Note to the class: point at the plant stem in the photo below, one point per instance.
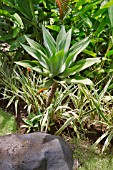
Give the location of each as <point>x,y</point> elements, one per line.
<point>51,94</point>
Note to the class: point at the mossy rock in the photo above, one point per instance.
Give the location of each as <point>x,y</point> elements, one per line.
<point>7,123</point>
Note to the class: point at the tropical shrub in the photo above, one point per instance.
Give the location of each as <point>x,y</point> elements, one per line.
<point>57,60</point>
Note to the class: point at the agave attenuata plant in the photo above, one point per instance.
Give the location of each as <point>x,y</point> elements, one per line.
<point>57,60</point>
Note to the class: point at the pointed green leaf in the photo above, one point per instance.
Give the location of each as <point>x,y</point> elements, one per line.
<point>16,107</point>
<point>85,63</point>
<point>101,95</point>
<point>38,55</point>
<point>18,20</point>
<point>27,63</point>
<point>110,13</point>
<point>68,121</point>
<point>78,80</point>
<point>57,61</point>
<point>41,71</point>
<point>76,49</point>
<point>99,12</point>
<point>103,23</point>
<point>91,53</point>
<point>64,41</point>
<point>100,139</point>
<point>67,41</point>
<point>103,8</point>
<point>60,36</point>
<point>80,65</point>
<point>107,142</point>
<point>11,101</point>
<point>28,122</point>
<point>109,53</point>
<point>34,44</point>
<point>53,27</point>
<point>34,65</point>
<point>85,9</point>
<point>49,41</point>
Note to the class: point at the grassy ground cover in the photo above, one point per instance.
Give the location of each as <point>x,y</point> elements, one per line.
<point>7,123</point>
<point>90,159</point>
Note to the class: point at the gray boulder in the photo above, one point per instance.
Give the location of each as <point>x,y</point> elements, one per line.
<point>34,151</point>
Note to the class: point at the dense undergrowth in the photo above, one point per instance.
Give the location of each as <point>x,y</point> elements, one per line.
<point>66,49</point>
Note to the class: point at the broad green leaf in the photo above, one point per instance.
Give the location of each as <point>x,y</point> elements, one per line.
<point>16,31</point>
<point>18,20</point>
<point>34,65</point>
<point>65,40</point>
<point>78,45</point>
<point>49,41</point>
<point>41,71</point>
<point>85,63</point>
<point>4,37</point>
<point>76,49</point>
<point>99,12</point>
<point>109,53</point>
<point>80,3</point>
<point>110,13</point>
<point>57,61</point>
<point>61,57</point>
<point>80,65</point>
<point>25,8</point>
<point>34,44</point>
<point>89,53</point>
<point>101,27</point>
<point>103,8</point>
<point>4,12</point>
<point>78,80</point>
<point>60,37</point>
<point>53,27</point>
<point>85,9</point>
<point>38,55</point>
<point>27,63</point>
